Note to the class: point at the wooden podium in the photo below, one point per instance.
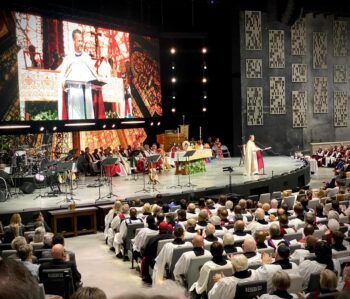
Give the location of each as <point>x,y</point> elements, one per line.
<point>168,139</point>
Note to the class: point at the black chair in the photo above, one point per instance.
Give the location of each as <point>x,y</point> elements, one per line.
<point>58,282</point>
<point>249,290</point>
<point>314,283</point>
<point>38,252</point>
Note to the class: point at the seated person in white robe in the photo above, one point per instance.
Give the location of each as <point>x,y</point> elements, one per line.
<point>323,252</point>
<point>218,262</point>
<point>120,236</point>
<point>151,229</point>
<point>190,229</point>
<point>115,224</point>
<point>249,250</point>
<point>191,211</point>
<point>300,254</point>
<point>166,254</point>
<point>238,231</point>
<point>111,214</point>
<point>281,262</point>
<point>183,263</point>
<point>209,235</point>
<point>225,287</point>
<point>229,244</point>
<point>259,222</point>
<point>275,236</point>
<point>280,282</point>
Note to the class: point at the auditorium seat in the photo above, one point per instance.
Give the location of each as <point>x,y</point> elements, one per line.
<point>296,284</point>
<point>177,252</point>
<point>58,282</point>
<point>294,247</point>
<point>227,270</point>
<point>7,253</point>
<point>161,244</point>
<point>314,283</point>
<point>289,200</point>
<point>250,290</point>
<point>194,268</point>
<point>265,198</point>
<point>268,250</point>
<point>293,236</point>
<point>276,194</point>
<point>340,254</point>
<point>313,203</point>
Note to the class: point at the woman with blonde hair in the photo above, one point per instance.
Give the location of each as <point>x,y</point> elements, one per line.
<point>116,209</point>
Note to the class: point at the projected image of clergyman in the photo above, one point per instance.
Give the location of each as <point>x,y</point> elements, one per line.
<point>69,70</point>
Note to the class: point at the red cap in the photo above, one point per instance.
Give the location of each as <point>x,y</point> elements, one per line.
<point>163,226</point>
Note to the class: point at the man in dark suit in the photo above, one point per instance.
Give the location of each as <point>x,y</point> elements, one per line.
<point>59,262</point>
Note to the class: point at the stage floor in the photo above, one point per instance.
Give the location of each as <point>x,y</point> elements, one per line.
<point>127,187</point>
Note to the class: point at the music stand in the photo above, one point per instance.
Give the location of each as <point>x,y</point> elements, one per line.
<point>151,160</point>
<point>144,189</point>
<point>178,175</point>
<point>187,155</point>
<point>109,162</point>
<point>65,167</point>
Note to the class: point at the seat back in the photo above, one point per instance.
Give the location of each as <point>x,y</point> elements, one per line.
<point>5,246</point>
<point>289,200</point>
<point>177,252</point>
<point>333,295</point>
<point>343,219</point>
<point>296,284</point>
<point>253,197</point>
<point>58,282</point>
<point>313,203</point>
<point>318,233</point>
<point>38,252</point>
<point>340,263</point>
<point>227,270</point>
<point>265,198</point>
<point>225,151</point>
<point>29,235</point>
<point>7,253</point>
<point>161,244</point>
<point>314,283</point>
<point>250,290</point>
<point>339,254</point>
<point>268,250</point>
<point>194,268</point>
<point>343,229</point>
<point>293,236</point>
<point>276,194</point>
<point>130,233</point>
<point>238,243</point>
<point>294,247</point>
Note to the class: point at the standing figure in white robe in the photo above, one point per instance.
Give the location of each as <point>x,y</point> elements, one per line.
<point>77,70</point>
<point>251,162</point>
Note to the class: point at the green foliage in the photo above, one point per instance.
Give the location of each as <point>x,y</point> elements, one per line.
<point>45,115</point>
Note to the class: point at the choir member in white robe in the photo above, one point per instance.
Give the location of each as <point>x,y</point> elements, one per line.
<point>77,70</point>
<point>110,215</point>
<point>225,287</point>
<point>181,267</point>
<point>281,262</point>
<point>251,162</point>
<point>151,229</point>
<point>323,252</point>
<point>120,236</point>
<point>217,263</point>
<point>249,250</point>
<point>115,224</point>
<point>166,254</point>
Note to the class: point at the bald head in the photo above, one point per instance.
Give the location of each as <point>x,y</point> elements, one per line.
<point>198,241</point>
<point>191,208</point>
<point>57,252</point>
<point>249,245</point>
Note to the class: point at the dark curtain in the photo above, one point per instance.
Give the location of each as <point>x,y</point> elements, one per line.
<point>53,48</point>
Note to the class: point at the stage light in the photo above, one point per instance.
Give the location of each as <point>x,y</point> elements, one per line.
<point>158,123</point>
<point>173,67</point>
<point>173,80</point>
<point>204,67</point>
<point>79,124</point>
<point>204,80</point>
<point>127,122</point>
<point>104,126</point>
<point>204,50</point>
<point>174,97</point>
<point>54,128</point>
<point>15,127</point>
<point>204,109</point>
<point>151,124</point>
<point>113,126</point>
<point>173,110</point>
<point>204,97</point>
<point>42,129</point>
<point>172,50</point>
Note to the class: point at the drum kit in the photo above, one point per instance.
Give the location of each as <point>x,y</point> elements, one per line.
<point>28,161</point>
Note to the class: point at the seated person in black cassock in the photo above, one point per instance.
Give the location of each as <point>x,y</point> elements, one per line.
<point>59,262</point>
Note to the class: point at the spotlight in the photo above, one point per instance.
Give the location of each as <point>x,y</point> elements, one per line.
<point>204,67</point>
<point>204,97</point>
<point>42,129</point>
<point>204,80</point>
<point>54,128</point>
<point>173,110</point>
<point>204,109</point>
<point>113,126</point>
<point>173,80</point>
<point>151,124</point>
<point>204,50</point>
<point>173,67</point>
<point>172,50</point>
<point>158,123</point>
<point>104,126</point>
<point>174,97</point>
